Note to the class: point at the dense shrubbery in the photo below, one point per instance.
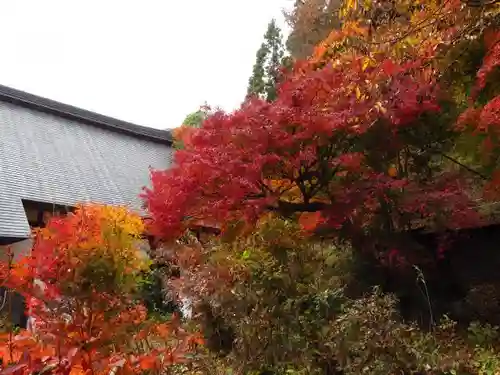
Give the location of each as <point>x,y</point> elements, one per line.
<point>287,307</point>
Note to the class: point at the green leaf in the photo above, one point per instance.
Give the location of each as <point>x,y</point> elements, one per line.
<point>330,261</point>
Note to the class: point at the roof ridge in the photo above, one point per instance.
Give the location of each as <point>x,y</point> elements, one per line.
<point>40,103</point>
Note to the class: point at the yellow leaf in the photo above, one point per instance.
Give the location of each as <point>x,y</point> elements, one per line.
<point>380,107</point>
<point>366,63</point>
<point>355,28</point>
<point>358,93</point>
<point>412,41</point>
<point>351,4</point>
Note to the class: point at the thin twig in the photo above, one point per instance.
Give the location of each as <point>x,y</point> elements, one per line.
<point>464,166</point>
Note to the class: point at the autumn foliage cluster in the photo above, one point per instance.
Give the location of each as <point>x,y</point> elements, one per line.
<point>291,221</point>
<point>388,128</point>
<point>80,282</point>
<point>365,130</point>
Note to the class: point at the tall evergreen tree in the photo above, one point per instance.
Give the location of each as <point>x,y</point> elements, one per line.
<point>267,67</point>
<point>256,84</point>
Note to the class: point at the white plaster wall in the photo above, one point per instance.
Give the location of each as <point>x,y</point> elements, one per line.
<point>19,249</point>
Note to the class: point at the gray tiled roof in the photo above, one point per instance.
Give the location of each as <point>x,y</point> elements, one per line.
<point>50,157</point>
<point>25,99</point>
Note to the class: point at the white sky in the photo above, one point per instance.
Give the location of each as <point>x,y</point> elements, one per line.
<point>151,62</point>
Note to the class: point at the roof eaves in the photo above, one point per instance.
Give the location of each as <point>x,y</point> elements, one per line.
<point>25,99</point>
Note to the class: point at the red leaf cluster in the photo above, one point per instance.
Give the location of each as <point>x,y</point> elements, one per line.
<point>491,61</point>
<point>318,120</point>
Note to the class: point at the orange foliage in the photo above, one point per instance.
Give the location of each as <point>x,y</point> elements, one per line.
<point>183,134</point>
<point>79,283</point>
<point>309,220</point>
<point>393,172</point>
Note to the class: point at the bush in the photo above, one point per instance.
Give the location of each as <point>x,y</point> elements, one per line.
<point>81,282</point>
<point>275,302</point>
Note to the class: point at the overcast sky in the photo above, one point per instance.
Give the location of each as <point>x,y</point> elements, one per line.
<point>146,61</point>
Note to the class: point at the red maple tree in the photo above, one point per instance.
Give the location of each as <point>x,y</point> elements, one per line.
<point>348,140</point>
